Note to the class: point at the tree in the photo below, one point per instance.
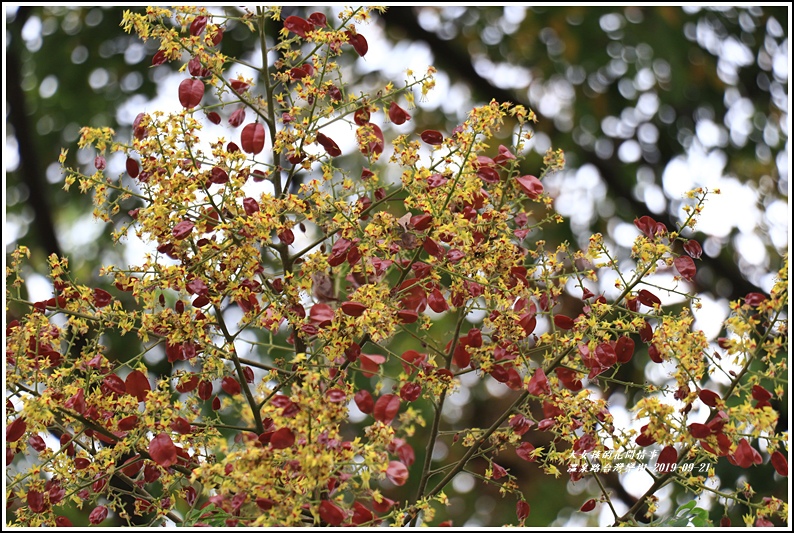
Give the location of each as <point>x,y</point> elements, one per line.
<point>402,286</point>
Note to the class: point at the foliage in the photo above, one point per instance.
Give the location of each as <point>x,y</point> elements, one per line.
<point>648,95</point>
<point>317,311</point>
<point>687,514</point>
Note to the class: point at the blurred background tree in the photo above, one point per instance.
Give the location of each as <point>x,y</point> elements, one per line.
<point>646,102</point>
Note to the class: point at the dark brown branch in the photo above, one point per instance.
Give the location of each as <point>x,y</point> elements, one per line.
<point>29,168</point>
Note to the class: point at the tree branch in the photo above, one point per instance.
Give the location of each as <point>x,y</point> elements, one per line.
<point>454,60</point>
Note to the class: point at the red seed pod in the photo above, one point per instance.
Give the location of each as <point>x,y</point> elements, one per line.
<point>230,385</point>
<point>654,353</point>
<point>298,26</point>
<point>538,384</point>
<point>181,426</point>
<point>624,349</point>
<point>499,472</point>
<point>370,363</point>
<point>128,423</point>
<point>191,91</point>
<point>252,138</point>
<point>36,502</point>
<point>588,506</point>
<point>182,230</point>
<point>488,174</point>
<point>331,514</point>
<point>531,186</point>
<point>397,473</point>
<point>214,117</point>
<point>693,248</point>
<point>335,395</point>
<point>205,390</point>
<point>436,301</point>
<point>421,222</point>
<point>282,438</point>
<point>780,463</point>
<point>522,507</point>
<point>699,431</point>
<point>358,42</point>
<point>251,206</point>
<point>98,515</point>
<point>137,384</point>
<point>335,93</point>
<point>383,506</point>
<point>287,236</point>
<point>667,458</point>
<point>397,114</point>
<point>563,322</point>
<point>66,440</point>
<point>133,169</point>
<point>296,158</point>
<point>318,19</point>
<point>114,385</point>
<point>432,137</point>
<point>218,176</point>
<point>37,443</point>
<point>330,146</point>
<point>353,308</point>
<point>709,397</point>
<point>410,391</point>
<point>569,378</point>
<point>218,37</point>
<point>158,58</point>
<point>650,227</point>
<point>239,86</point>
<point>754,299</point>
<point>745,455</point>
<point>361,515</point>
<point>643,439</point>
<point>361,116</point>
<point>646,332</point>
<point>198,25</point>
<point>461,356</point>
<point>528,322</point>
<point>139,132</point>
<point>237,117</point>
<point>504,157</point>
<point>686,267</point>
<point>195,68</point>
<point>386,408</point>
<point>372,146</point>
<point>298,73</point>
<point>648,298</point>
<point>15,430</point>
<point>525,450</point>
<point>407,316</point>
<point>102,298</point>
<point>162,450</point>
<point>761,394</point>
<point>364,401</point>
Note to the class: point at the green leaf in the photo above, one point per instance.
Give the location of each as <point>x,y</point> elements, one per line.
<point>686,515</point>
